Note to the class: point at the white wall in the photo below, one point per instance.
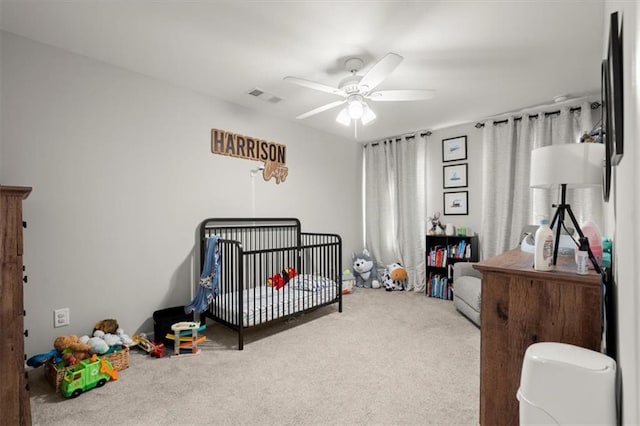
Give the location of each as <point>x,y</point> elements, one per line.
<point>122,174</point>
<point>622,216</point>
<point>434,175</point>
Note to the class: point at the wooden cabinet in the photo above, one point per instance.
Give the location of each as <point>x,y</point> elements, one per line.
<point>522,306</point>
<point>14,403</point>
<point>441,253</point>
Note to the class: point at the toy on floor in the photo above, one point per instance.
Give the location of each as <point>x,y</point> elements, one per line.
<point>39,359</point>
<point>154,349</point>
<point>394,277</point>
<point>364,269</point>
<point>86,375</point>
<point>72,349</point>
<point>107,326</point>
<point>347,281</point>
<point>68,350</point>
<point>103,342</point>
<point>188,329</point>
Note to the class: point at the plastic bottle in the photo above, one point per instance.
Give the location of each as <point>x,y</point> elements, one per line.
<point>592,232</point>
<point>543,257</point>
<point>582,256</point>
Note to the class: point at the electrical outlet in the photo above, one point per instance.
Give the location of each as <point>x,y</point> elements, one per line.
<point>61,317</point>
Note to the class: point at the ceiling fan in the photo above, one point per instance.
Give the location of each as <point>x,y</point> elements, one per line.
<point>357,89</point>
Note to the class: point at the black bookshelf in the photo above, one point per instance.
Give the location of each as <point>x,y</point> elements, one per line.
<point>442,252</point>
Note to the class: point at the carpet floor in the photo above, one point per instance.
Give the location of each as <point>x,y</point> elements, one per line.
<point>394,358</point>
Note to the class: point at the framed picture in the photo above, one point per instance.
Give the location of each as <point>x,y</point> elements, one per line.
<point>456,203</point>
<point>454,176</point>
<point>614,96</point>
<point>454,149</point>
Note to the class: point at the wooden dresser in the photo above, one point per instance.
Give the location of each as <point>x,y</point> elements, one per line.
<point>521,306</point>
<point>15,408</point>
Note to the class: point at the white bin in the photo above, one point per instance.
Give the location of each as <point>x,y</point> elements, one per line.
<point>564,384</point>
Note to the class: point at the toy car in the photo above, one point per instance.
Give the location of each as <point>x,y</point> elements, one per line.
<point>86,375</point>
<point>154,349</point>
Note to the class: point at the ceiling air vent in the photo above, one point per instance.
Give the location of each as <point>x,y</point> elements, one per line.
<point>265,96</point>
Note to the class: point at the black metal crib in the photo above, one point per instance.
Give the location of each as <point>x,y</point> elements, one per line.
<point>271,270</point>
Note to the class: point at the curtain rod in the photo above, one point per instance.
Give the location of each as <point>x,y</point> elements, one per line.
<point>398,138</point>
<point>594,105</point>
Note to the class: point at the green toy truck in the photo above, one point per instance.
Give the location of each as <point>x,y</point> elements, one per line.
<point>86,375</point>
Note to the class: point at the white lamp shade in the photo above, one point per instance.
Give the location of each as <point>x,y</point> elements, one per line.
<point>369,116</point>
<point>573,164</point>
<point>343,117</point>
<point>356,109</point>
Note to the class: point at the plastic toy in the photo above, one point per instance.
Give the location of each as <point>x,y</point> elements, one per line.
<point>86,375</point>
<point>186,328</point>
<point>347,281</point>
<point>154,349</point>
<point>364,269</point>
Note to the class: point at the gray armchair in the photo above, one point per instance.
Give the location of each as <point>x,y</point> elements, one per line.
<point>467,290</point>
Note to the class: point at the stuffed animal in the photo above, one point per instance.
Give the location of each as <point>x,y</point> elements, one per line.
<point>98,345</point>
<point>108,326</point>
<point>71,348</point>
<point>102,342</point>
<point>364,269</point>
<point>125,338</point>
<point>436,227</point>
<point>394,277</point>
<point>280,280</point>
<point>276,281</point>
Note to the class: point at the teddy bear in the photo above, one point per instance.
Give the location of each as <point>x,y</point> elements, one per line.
<point>394,277</point>
<point>71,348</point>
<point>364,269</point>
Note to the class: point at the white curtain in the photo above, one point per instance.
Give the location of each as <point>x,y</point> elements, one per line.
<point>394,187</point>
<point>508,202</point>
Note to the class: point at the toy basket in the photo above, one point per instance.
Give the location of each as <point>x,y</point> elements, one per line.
<point>119,360</point>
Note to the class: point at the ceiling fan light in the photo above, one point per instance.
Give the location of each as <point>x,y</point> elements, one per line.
<point>356,109</point>
<point>343,117</point>
<point>368,116</point>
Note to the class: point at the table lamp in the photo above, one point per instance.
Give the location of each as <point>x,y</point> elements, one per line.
<point>573,165</point>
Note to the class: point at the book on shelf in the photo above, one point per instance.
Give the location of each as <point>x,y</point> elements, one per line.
<point>438,256</point>
<point>461,250</point>
<point>438,286</point>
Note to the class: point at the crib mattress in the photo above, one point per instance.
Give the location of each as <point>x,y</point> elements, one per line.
<point>262,304</point>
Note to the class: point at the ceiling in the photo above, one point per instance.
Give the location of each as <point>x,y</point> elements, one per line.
<point>482,58</point>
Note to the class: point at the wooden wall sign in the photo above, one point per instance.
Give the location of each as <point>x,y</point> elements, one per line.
<point>273,155</point>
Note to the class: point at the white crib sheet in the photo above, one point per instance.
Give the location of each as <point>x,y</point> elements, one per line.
<point>263,303</point>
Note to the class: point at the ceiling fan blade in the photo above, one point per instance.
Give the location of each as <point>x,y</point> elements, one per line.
<point>401,95</point>
<point>380,71</point>
<point>314,85</point>
<point>320,109</point>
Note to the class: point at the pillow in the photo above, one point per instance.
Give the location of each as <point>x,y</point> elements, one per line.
<point>310,282</point>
